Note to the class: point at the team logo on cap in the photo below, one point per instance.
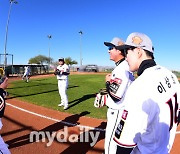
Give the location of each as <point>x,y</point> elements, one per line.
<point>137,40</point>
<point>120,43</point>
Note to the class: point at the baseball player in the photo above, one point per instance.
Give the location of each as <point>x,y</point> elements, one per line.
<point>116,84</point>
<point>3,86</point>
<point>149,120</point>
<point>62,72</point>
<point>26,73</point>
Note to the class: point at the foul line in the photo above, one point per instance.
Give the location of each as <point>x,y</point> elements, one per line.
<point>53,119</point>
<point>61,121</point>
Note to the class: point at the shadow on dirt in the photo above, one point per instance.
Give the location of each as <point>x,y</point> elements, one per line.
<point>85,142</point>
<point>70,121</point>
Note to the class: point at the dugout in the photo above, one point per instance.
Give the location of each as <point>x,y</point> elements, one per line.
<point>18,70</point>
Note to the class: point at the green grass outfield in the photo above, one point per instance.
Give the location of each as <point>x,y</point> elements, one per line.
<point>44,92</point>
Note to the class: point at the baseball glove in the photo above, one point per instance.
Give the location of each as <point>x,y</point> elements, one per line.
<point>57,72</point>
<point>101,98</point>
<point>103,91</point>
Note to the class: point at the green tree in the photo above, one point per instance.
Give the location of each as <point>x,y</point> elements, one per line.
<point>40,59</point>
<point>69,61</point>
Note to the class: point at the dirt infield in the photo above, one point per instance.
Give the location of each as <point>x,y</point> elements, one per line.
<point>22,118</point>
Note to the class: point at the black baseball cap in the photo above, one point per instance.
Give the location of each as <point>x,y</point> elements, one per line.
<point>61,59</point>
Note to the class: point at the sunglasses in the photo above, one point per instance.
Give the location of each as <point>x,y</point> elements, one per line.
<point>110,47</point>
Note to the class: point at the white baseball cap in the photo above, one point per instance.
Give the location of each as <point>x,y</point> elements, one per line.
<point>137,39</point>
<point>116,41</point>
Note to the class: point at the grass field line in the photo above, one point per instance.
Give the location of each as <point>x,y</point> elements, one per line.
<point>53,119</point>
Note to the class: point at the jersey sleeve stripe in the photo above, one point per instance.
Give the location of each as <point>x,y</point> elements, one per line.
<point>119,98</point>
<point>124,145</point>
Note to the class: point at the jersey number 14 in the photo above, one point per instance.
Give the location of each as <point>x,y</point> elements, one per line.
<point>173,110</point>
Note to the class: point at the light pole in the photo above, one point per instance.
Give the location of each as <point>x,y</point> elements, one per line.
<point>80,32</point>
<point>49,37</point>
<point>6,34</point>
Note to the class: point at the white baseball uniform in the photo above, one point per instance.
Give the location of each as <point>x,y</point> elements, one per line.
<point>26,73</point>
<point>149,120</point>
<point>121,78</point>
<point>63,83</point>
<point>3,146</point>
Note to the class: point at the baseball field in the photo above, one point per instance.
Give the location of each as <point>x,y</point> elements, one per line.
<point>32,107</point>
<point>44,92</point>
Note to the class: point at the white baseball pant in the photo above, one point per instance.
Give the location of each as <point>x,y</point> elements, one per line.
<point>112,122</point>
<point>62,87</point>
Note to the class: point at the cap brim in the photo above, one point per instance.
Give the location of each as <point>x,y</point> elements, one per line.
<point>122,47</point>
<point>108,44</point>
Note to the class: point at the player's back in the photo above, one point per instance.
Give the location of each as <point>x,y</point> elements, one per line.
<point>160,89</point>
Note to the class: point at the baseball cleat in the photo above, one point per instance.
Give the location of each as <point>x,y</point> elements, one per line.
<point>60,104</point>
<point>66,107</point>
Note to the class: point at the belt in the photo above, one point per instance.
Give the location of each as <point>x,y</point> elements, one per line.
<point>61,79</point>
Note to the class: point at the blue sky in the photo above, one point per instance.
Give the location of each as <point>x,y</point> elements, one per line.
<point>99,20</point>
